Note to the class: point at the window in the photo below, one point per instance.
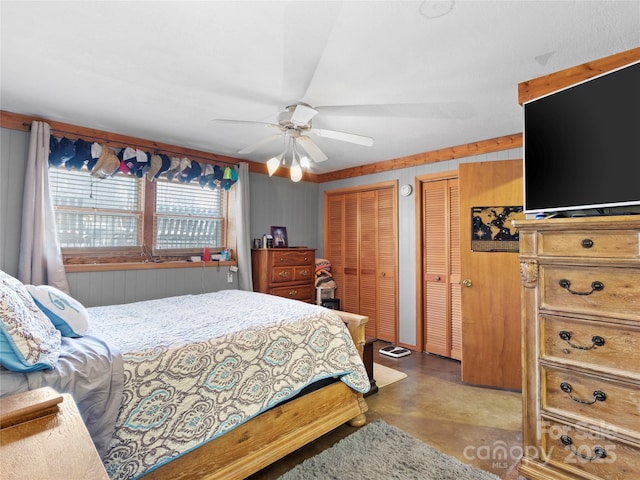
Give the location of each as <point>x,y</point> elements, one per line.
<point>188,216</point>
<point>96,213</point>
<point>110,218</point>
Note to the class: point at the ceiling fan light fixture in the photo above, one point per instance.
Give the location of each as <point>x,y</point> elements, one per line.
<point>295,170</point>
<point>305,162</point>
<point>273,163</point>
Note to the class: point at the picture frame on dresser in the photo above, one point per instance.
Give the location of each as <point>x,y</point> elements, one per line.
<point>279,235</point>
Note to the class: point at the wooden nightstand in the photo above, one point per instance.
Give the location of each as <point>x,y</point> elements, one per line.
<point>43,436</point>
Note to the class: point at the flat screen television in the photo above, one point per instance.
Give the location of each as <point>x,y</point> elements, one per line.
<point>582,145</point>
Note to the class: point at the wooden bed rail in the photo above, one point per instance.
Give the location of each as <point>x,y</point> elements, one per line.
<point>356,325</point>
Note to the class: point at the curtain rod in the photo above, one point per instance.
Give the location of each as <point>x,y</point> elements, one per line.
<point>119,144</point>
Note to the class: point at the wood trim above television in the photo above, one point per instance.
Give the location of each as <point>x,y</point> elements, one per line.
<point>540,86</point>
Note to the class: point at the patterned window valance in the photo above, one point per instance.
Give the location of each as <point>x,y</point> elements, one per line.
<point>103,161</point>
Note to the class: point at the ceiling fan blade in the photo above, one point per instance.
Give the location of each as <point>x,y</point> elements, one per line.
<point>312,149</point>
<point>244,122</point>
<point>401,110</point>
<point>303,114</point>
<point>259,143</point>
<point>345,137</point>
<point>308,33</point>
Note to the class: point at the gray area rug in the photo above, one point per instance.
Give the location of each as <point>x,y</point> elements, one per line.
<point>379,451</point>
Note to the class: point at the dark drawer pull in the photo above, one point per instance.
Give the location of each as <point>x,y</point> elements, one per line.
<point>598,452</point>
<point>595,287</point>
<point>598,395</point>
<point>596,341</point>
<point>586,243</point>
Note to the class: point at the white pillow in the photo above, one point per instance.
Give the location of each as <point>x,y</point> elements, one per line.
<point>28,339</point>
<point>67,314</point>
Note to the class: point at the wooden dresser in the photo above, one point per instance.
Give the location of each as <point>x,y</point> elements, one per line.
<point>284,272</point>
<point>581,347</point>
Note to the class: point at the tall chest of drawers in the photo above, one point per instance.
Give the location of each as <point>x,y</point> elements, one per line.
<point>581,347</point>
<point>284,272</point>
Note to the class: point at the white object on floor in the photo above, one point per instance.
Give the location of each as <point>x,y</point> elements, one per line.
<point>393,351</point>
<point>385,375</point>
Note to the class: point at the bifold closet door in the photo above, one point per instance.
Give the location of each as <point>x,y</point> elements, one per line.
<point>368,212</point>
<point>361,243</point>
<point>350,294</point>
<point>441,268</point>
<point>378,283</point>
<point>387,268</point>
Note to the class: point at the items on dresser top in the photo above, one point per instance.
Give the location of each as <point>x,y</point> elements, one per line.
<point>581,341</point>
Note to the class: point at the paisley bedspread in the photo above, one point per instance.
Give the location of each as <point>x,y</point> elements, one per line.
<point>196,366</point>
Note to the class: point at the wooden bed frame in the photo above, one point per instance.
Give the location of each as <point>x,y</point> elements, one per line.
<point>33,423</point>
<point>277,432</point>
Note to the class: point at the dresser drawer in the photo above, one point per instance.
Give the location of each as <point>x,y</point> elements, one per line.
<point>291,274</point>
<point>593,398</point>
<point>599,344</point>
<point>303,273</point>
<point>590,244</point>
<point>303,293</point>
<point>292,258</point>
<point>606,291</point>
<point>573,449</point>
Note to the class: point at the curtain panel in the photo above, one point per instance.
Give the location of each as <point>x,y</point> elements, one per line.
<point>243,234</point>
<point>40,260</point>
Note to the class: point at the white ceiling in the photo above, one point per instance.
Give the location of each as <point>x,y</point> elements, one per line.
<point>415,76</point>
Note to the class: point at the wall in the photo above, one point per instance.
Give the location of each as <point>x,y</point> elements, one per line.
<point>13,154</point>
<point>280,202</point>
<point>406,228</point>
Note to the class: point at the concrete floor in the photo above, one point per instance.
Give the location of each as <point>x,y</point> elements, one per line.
<point>479,426</point>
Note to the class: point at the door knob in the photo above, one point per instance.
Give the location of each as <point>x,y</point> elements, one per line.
<point>466,282</point>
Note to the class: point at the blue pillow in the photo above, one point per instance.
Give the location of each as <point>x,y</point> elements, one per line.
<point>66,313</point>
<point>28,339</point>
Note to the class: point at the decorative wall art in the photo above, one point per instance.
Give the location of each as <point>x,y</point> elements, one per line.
<point>279,235</point>
<point>492,231</point>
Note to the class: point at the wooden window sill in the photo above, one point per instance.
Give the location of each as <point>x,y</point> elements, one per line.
<point>105,267</point>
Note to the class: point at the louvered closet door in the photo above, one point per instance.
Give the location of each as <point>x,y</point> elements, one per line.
<point>441,268</point>
<point>387,298</point>
<point>334,241</point>
<point>350,296</point>
<point>369,260</point>
<point>455,286</point>
<point>365,260</point>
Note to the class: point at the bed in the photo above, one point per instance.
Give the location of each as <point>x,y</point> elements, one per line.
<point>251,379</point>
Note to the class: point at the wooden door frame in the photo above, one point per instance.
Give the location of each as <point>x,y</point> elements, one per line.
<point>419,181</point>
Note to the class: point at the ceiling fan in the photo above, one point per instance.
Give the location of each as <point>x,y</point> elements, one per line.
<point>294,124</point>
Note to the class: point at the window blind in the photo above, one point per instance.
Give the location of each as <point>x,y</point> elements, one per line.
<point>96,213</point>
<point>188,216</point>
